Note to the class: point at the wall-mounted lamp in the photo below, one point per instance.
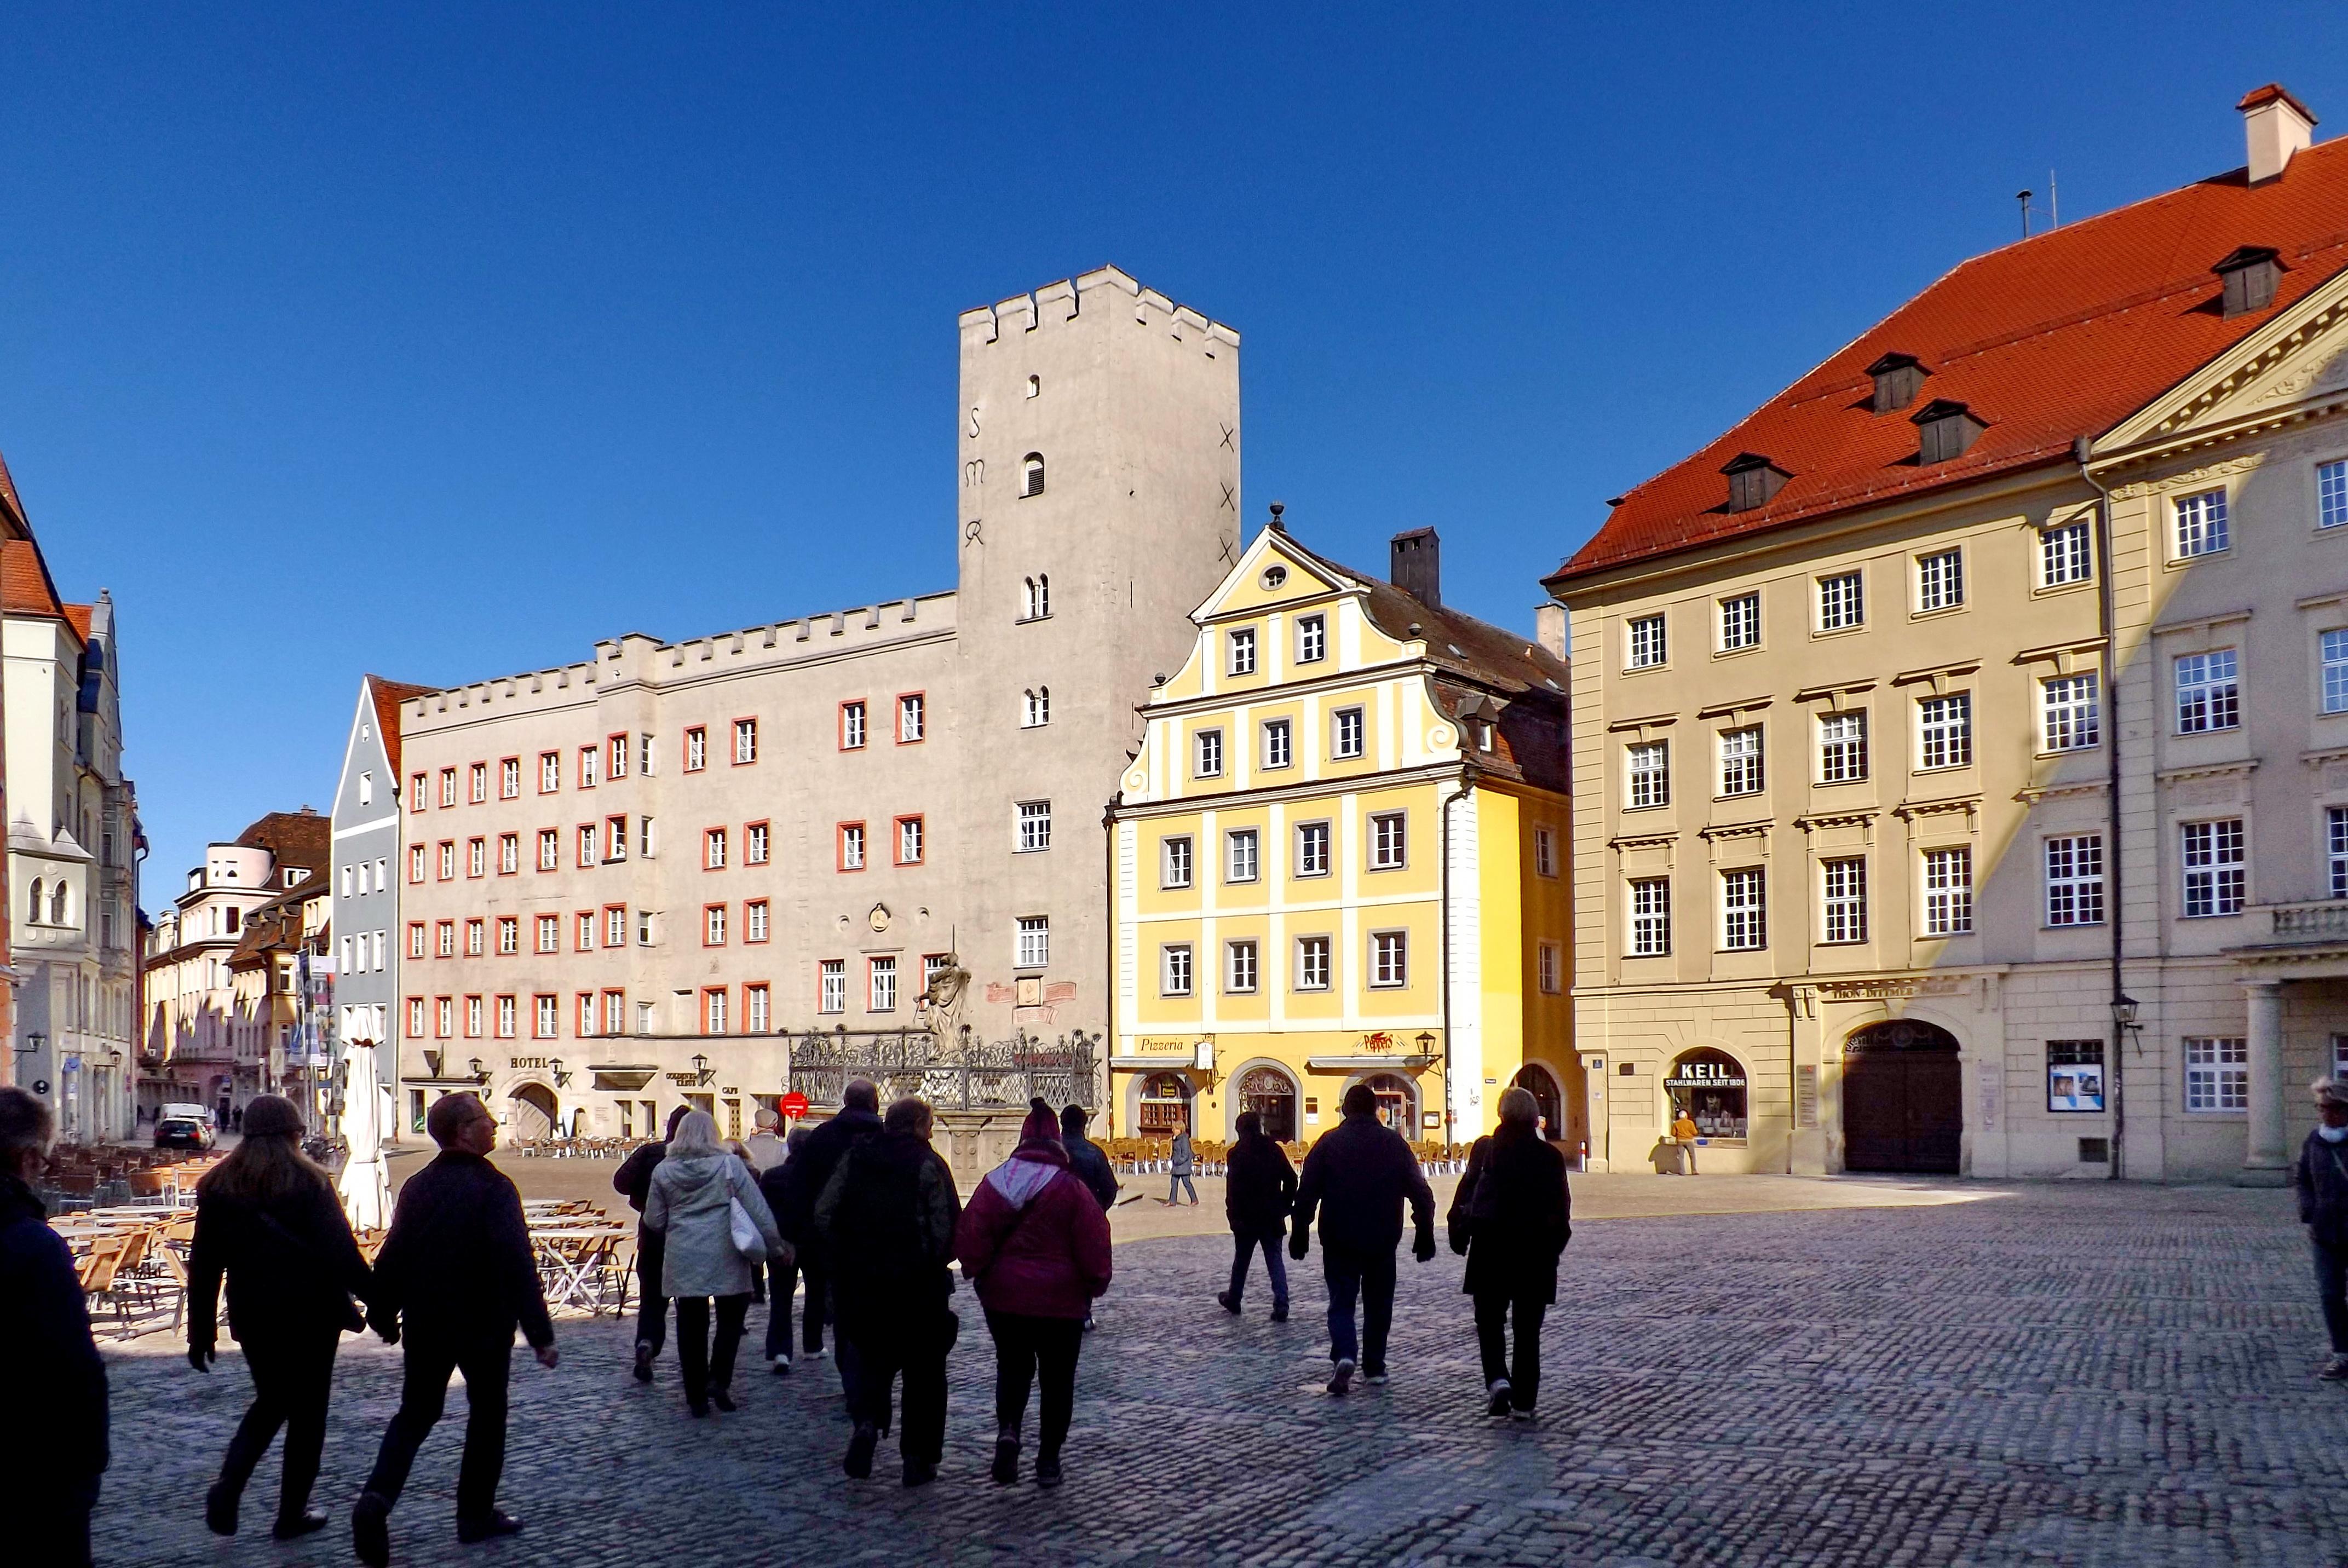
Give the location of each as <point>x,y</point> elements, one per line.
<point>562,1078</point>
<point>481,1073</point>
<point>701,1073</point>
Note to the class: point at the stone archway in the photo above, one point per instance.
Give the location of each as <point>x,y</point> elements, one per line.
<point>1903,1099</point>
<point>1271,1093</point>
<point>1549,1094</point>
<point>531,1113</point>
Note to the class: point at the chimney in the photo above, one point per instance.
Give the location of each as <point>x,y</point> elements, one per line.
<point>1415,565</point>
<point>2277,125</point>
<point>1549,628</point>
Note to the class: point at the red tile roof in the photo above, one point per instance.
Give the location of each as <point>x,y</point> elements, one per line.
<point>27,588</point>
<point>2064,334</point>
<point>78,617</point>
<point>389,696</point>
<point>11,508</point>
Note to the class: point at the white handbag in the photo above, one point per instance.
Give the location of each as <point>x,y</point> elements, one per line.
<point>744,1231</point>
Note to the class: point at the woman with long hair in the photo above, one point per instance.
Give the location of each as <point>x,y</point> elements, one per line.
<point>267,1217</point>
<point>691,1205</point>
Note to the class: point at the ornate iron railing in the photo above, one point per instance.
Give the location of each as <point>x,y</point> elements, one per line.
<point>965,1073</point>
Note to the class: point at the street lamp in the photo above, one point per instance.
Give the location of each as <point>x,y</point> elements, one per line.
<point>481,1073</point>
<point>1425,1043</point>
<point>561,1079</point>
<point>700,1069</point>
<point>36,1040</point>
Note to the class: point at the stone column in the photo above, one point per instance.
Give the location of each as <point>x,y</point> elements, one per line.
<point>2263,1163</point>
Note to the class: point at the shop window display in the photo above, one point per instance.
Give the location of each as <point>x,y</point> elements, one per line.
<point>1269,1093</point>
<point>1709,1087</point>
<point>1165,1105</point>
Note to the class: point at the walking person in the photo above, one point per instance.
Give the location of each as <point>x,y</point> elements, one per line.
<point>1358,1177</point>
<point>1089,1161</point>
<point>777,1184</point>
<point>1259,1187</point>
<point>1684,1133</point>
<point>2322,1180</point>
<point>1512,1216</point>
<point>828,1144</point>
<point>764,1146</point>
<point>454,1278</point>
<point>57,1383</point>
<point>1180,1168</point>
<point>267,1217</point>
<point>692,1205</point>
<point>1034,1243</point>
<point>634,1179</point>
<point>887,1217</point>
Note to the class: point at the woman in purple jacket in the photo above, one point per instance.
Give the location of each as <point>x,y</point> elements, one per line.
<point>1035,1245</point>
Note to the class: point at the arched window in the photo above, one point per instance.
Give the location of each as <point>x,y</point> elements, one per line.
<point>34,915</point>
<point>1038,709</point>
<point>1164,1108</point>
<point>1271,1094</point>
<point>1038,601</point>
<point>1035,385</point>
<point>1709,1087</point>
<point>1031,475</point>
<point>1397,1101</point>
<point>58,905</point>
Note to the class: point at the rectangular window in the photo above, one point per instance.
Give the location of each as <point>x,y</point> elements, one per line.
<point>1206,755</point>
<point>1842,747</point>
<point>2332,649</point>
<point>1174,970</point>
<point>1174,861</point>
<point>2217,1074</point>
<point>2331,494</point>
<point>1238,967</point>
<point>1740,761</point>
<point>549,849</point>
<point>2213,866</point>
<point>713,926</point>
<point>1544,852</point>
<point>444,938</point>
<point>2335,848</point>
<point>2209,694</point>
<point>416,787</point>
<point>447,786</point>
<point>1944,730</point>
<point>1389,960</point>
<point>582,931</point>
<point>1389,840</point>
<point>755,839</point>
<point>550,934</point>
<point>714,1019</point>
<point>508,936</point>
<point>615,757</point>
<point>1312,963</point>
<point>1348,733</point>
<point>415,939</point>
<point>1547,967</point>
<point>1240,859</point>
<point>757,1002</point>
<point>448,859</point>
<point>713,849</point>
<point>2070,711</point>
<point>2201,524</point>
<point>852,726</point>
<point>746,741</point>
<point>881,993</point>
<point>911,715</point>
<point>697,749</point>
<point>586,1026</point>
<point>476,782</point>
<point>506,1011</point>
<point>645,765</point>
<point>1845,882</point>
<point>851,846</point>
<point>1740,622</point>
<point>476,938</point>
<point>1034,951</point>
<point>476,857</point>
<point>1651,917</point>
<point>1242,650</point>
<point>590,758</point>
<point>444,1015</point>
<point>1843,602</point>
<point>615,1012</point>
<point>644,836</point>
<point>415,863</point>
<point>415,1018</point>
<point>2075,879</point>
<point>588,838</point>
<point>831,985</point>
<point>615,926</point>
<point>1651,774</point>
<point>912,840</point>
<point>510,779</point>
<point>509,854</point>
<point>1948,892</point>
<point>932,966</point>
<point>644,928</point>
<point>1647,646</point>
<point>1940,580</point>
<point>2065,555</point>
<point>549,1016</point>
<point>549,771</point>
<point>1276,742</point>
<point>475,1016</point>
<point>1311,639</point>
<point>1744,909</point>
<point>1312,849</point>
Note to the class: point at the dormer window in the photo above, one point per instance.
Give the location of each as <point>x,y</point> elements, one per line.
<point>2248,280</point>
<point>1899,377</point>
<point>1944,430</point>
<point>1752,480</point>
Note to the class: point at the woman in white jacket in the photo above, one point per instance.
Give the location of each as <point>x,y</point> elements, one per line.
<point>691,1205</point>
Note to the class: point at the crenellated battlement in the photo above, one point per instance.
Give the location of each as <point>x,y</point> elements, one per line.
<point>1106,293</point>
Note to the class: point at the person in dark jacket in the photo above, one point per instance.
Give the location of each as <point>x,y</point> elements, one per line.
<point>2320,1178</point>
<point>1358,1176</point>
<point>858,1121</point>
<point>456,1276</point>
<point>1034,1243</point>
<point>634,1179</point>
<point>267,1217</point>
<point>1259,1185</point>
<point>887,1218</point>
<point>1090,1163</point>
<point>1512,1216</point>
<point>1180,1168</point>
<point>778,1184</point>
<point>57,1383</point>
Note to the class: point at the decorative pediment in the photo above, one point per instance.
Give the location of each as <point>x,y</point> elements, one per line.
<point>2299,358</point>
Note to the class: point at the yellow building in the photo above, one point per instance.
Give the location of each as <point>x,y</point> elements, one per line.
<point>1340,857</point>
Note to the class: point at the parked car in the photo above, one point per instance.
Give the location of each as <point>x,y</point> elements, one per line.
<point>184,1132</point>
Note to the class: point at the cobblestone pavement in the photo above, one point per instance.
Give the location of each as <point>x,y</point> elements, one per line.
<point>2069,1374</point>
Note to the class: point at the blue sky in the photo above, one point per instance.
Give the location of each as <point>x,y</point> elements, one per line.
<point>444,340</point>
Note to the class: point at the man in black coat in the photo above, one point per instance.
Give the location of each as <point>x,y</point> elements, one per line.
<point>1358,1176</point>
<point>458,1268</point>
<point>858,1121</point>
<point>1090,1163</point>
<point>634,1178</point>
<point>1512,1216</point>
<point>1259,1187</point>
<point>57,1383</point>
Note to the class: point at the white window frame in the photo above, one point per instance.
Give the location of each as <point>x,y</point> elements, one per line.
<point>2332,493</point>
<point>2070,712</point>
<point>1944,732</point>
<point>1207,754</point>
<point>1279,743</point>
<point>1740,622</point>
<point>2203,525</point>
<point>1548,969</point>
<point>1348,725</point>
<point>1842,746</point>
<point>1312,963</point>
<point>1843,885</point>
<point>880,983</point>
<point>1940,580</point>
<point>1745,909</point>
<point>2335,849</point>
<point>1647,774</point>
<point>2213,861</point>
<point>1176,860</point>
<point>2332,661</point>
<point>1389,840</point>
<point>1033,942</point>
<point>2208,691</point>
<point>745,740</point>
<point>1311,639</point>
<point>912,717</point>
<point>1175,975</point>
<point>1243,854</point>
<point>2072,868</point>
<point>1647,642</point>
<point>1947,873</point>
<point>1842,602</point>
<point>1243,967</point>
<point>1649,904</point>
<point>831,985</point>
<point>1742,761</point>
<point>1034,824</point>
<point>2066,554</point>
<point>1389,960</point>
<point>2217,1075</point>
<point>1314,842</point>
<point>1240,651</point>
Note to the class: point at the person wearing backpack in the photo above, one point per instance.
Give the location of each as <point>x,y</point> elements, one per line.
<point>704,1205</point>
<point>1512,1216</point>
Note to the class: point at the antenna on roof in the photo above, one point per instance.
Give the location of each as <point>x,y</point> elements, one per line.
<point>2023,196</point>
<point>2054,203</point>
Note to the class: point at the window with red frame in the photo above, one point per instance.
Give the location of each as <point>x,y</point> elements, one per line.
<point>615,1012</point>
<point>416,785</point>
<point>616,925</point>
<point>509,935</point>
<point>475,937</point>
<point>746,741</point>
<point>586,845</point>
<point>754,843</point>
<point>713,849</point>
<point>714,1011</point>
<point>758,1009</point>
<point>549,771</point>
<point>476,857</point>
<point>415,863</point>
<point>912,717</point>
<point>549,848</point>
<point>509,854</point>
<point>590,767</point>
<point>912,840</point>
<point>415,1018</point>
<point>416,939</point>
<point>476,782</point>
<point>447,786</point>
<point>615,757</point>
<point>550,934</point>
<point>444,1017</point>
<point>586,1014</point>
<point>448,859</point>
<point>444,939</point>
<point>753,920</point>
<point>510,778</point>
<point>582,931</point>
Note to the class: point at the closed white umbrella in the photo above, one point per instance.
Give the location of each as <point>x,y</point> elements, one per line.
<point>365,1187</point>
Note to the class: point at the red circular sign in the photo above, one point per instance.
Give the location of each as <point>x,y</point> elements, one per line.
<point>794,1105</point>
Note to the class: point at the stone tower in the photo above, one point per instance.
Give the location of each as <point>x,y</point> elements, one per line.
<point>1097,505</point>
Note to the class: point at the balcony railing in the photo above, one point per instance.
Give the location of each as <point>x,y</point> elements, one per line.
<point>2325,920</point>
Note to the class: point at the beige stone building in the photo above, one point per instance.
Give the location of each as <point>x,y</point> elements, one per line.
<point>622,881</point>
<point>1960,774</point>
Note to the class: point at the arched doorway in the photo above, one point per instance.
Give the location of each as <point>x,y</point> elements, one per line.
<point>1163,1107</point>
<point>1271,1096</point>
<point>1903,1099</point>
<point>530,1112</point>
<point>1398,1103</point>
<point>1542,1085</point>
